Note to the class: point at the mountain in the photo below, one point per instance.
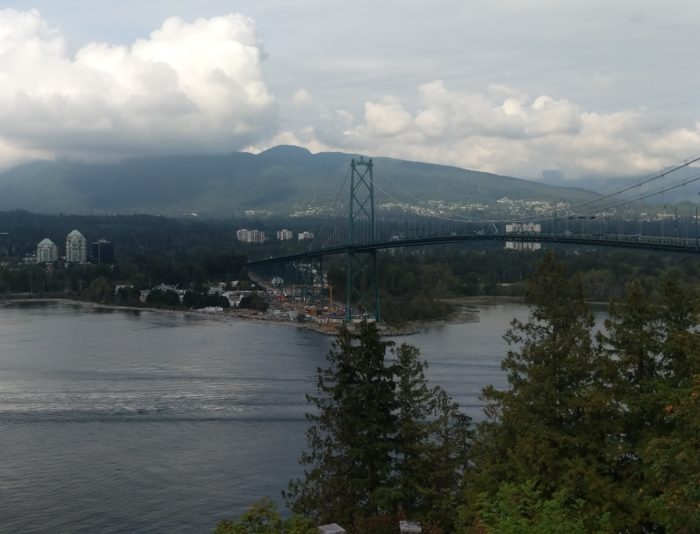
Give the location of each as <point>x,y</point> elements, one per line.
<point>276,180</point>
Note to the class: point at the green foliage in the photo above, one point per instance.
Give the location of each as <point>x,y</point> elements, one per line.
<point>672,461</point>
<point>654,354</point>
<point>166,299</point>
<point>350,433</point>
<point>254,302</point>
<point>99,290</point>
<point>149,250</point>
<point>380,439</point>
<point>276,179</point>
<point>522,509</point>
<point>194,300</point>
<point>592,432</point>
<point>544,426</point>
<point>263,518</point>
<point>431,443</point>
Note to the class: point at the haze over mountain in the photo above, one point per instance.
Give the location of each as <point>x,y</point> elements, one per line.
<point>279,180</point>
<point>678,185</point>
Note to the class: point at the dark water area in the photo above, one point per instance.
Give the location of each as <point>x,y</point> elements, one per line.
<point>143,421</point>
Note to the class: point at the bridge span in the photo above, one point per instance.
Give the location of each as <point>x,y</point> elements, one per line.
<point>659,243</point>
<point>361,239</point>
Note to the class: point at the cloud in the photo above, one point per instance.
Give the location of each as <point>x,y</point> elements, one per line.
<point>386,118</point>
<point>302,98</point>
<point>189,86</point>
<point>198,87</point>
<point>505,131</point>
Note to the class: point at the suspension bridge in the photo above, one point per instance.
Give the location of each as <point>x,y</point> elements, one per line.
<point>358,231</point>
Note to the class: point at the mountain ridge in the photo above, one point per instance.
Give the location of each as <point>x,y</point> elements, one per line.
<point>276,180</point>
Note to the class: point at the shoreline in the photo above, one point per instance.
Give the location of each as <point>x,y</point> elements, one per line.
<point>467,311</point>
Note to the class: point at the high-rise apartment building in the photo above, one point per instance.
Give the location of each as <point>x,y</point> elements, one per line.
<point>102,251</point>
<point>285,235</point>
<point>250,236</point>
<point>76,247</point>
<point>46,251</point>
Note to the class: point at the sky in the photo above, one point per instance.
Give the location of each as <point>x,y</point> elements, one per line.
<point>567,90</point>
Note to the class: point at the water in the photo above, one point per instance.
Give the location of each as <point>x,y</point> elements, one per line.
<point>140,421</point>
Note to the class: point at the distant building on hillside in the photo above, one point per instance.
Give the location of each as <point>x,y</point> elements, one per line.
<point>285,235</point>
<point>102,251</point>
<point>76,247</point>
<point>250,236</point>
<point>46,251</point>
<point>303,236</point>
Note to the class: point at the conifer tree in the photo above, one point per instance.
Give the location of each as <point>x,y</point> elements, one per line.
<point>381,440</point>
<point>549,425</point>
<point>680,315</point>
<point>653,350</point>
<point>607,434</point>
<point>432,443</point>
<point>671,491</point>
<point>349,463</point>
<point>415,405</point>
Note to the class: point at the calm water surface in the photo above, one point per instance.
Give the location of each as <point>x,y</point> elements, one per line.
<point>122,421</point>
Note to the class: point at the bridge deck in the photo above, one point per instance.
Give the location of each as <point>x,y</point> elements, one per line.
<point>668,244</point>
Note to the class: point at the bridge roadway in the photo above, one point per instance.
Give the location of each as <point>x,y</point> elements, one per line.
<point>667,244</point>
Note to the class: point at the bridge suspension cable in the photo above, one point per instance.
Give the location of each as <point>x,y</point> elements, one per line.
<point>659,175</point>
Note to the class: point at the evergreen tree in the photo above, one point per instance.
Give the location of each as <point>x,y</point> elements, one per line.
<point>680,350</point>
<point>653,351</point>
<point>671,456</point>
<point>413,439</point>
<point>448,457</point>
<point>381,441</point>
<point>351,435</point>
<point>672,464</point>
<point>432,443</point>
<point>609,431</point>
<point>264,518</point>
<point>548,427</point>
<point>522,509</point>
<point>632,346</point>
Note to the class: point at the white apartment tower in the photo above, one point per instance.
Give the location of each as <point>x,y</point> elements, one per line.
<point>76,247</point>
<point>46,251</point>
<point>250,236</point>
<point>285,235</point>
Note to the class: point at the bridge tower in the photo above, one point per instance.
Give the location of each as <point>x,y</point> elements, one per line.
<point>362,284</point>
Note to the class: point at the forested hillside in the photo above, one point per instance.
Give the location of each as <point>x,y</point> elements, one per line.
<point>279,180</point>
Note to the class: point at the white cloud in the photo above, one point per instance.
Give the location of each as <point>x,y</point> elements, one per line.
<point>504,131</point>
<point>190,86</point>
<point>198,86</point>
<point>302,98</point>
<point>386,118</point>
<point>306,137</point>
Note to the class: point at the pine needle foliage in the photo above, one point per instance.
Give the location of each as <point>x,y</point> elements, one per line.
<point>380,439</point>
